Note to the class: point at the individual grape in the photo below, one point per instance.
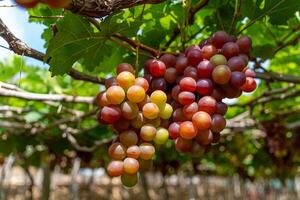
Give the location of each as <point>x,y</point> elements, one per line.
<point>143,83</point>
<point>191,72</point>
<point>205,69</point>
<point>150,111</point>
<point>115,168</point>
<point>117,151</point>
<point>174,130</point>
<point>115,95</point>
<point>161,136</point>
<point>136,94</point>
<point>142,103</point>
<point>165,111</point>
<point>190,110</point>
<point>208,51</point>
<point>194,56</point>
<point>230,91</point>
<point>237,63</point>
<point>230,49</point>
<point>158,97</point>
<point>101,99</point>
<point>169,60</point>
<point>207,104</point>
<point>110,82</point>
<point>181,64</point>
<point>148,77</point>
<point>147,132</point>
<point>170,75</point>
<point>188,84</point>
<point>133,152</point>
<point>221,74</point>
<point>186,98</point>
<point>158,84</point>
<point>175,92</point>
<point>218,59</point>
<point>219,38</point>
<point>250,85</point>
<point>121,125</point>
<point>245,57</point>
<point>125,67</point>
<point>221,108</point>
<point>129,180</point>
<point>147,66</point>
<point>217,94</point>
<point>129,110</point>
<point>110,114</point>
<point>216,137</point>
<point>155,122</point>
<point>125,80</point>
<point>204,137</point>
<point>188,130</point>
<point>237,79</point>
<point>204,86</point>
<point>145,165</point>
<point>218,123</point>
<point>139,121</point>
<point>178,115</point>
<point>183,145</point>
<point>131,165</point>
<point>128,138</point>
<point>245,44</point>
<point>250,73</point>
<point>202,120</point>
<point>192,48</point>
<point>147,151</point>
<point>157,68</point>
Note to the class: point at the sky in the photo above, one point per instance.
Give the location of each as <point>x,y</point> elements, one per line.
<point>16,19</point>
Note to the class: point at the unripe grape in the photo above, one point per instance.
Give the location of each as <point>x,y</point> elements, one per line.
<point>161,136</point>
<point>218,59</point>
<point>150,111</point>
<point>115,95</point>
<point>131,165</point>
<point>117,151</point>
<point>148,132</point>
<point>136,94</point>
<point>165,111</point>
<point>147,151</point>
<point>158,97</point>
<point>129,180</point>
<point>221,74</point>
<point>125,80</point>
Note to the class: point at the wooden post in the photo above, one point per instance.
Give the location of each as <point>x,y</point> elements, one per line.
<point>5,172</point>
<point>46,182</point>
<point>74,193</point>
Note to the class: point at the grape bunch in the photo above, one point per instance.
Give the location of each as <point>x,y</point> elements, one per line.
<point>137,118</point>
<point>50,3</point>
<point>198,80</point>
<point>179,97</point>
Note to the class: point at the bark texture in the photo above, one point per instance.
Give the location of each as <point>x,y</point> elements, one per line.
<point>101,8</point>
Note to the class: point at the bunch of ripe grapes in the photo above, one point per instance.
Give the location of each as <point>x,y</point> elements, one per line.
<point>50,3</point>
<point>179,97</point>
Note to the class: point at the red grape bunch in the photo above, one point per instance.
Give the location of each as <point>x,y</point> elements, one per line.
<point>179,97</point>
<point>197,81</point>
<point>138,120</point>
